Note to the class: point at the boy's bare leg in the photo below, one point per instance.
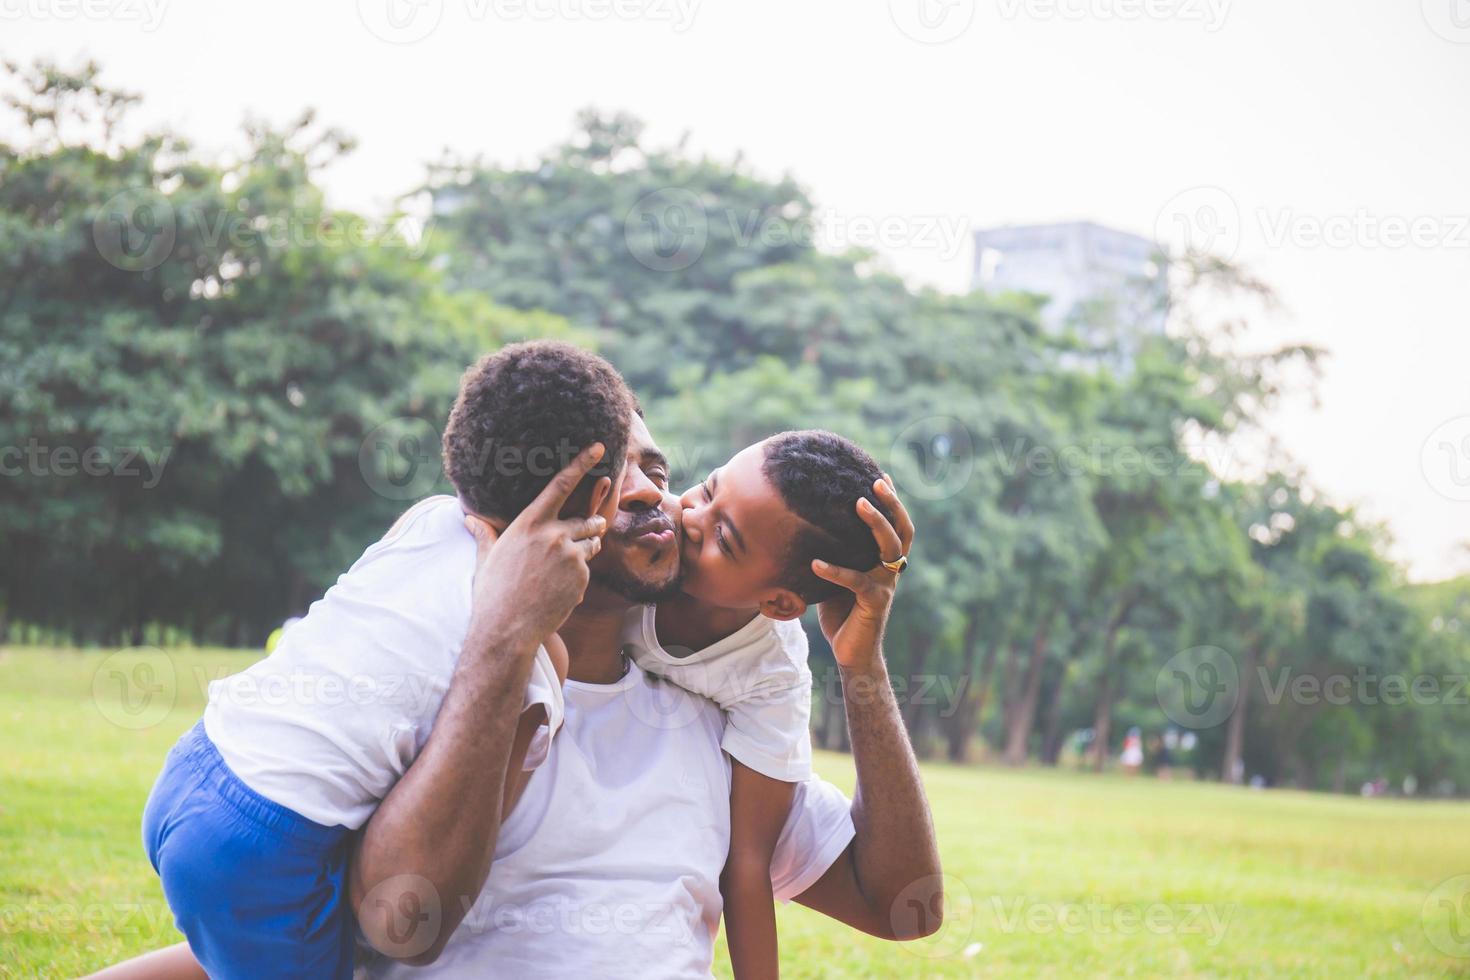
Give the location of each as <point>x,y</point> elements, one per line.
<point>172,963</point>
<point>758,809</point>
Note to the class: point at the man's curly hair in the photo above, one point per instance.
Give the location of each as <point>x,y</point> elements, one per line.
<point>524,413</point>
<point>820,476</point>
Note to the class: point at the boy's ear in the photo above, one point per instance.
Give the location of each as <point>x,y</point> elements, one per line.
<point>783,604</point>
<point>601,491</point>
<point>587,499</point>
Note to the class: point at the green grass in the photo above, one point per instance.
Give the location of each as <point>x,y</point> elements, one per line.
<point>1051,873</point>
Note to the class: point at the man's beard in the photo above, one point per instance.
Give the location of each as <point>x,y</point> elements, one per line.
<point>620,581</point>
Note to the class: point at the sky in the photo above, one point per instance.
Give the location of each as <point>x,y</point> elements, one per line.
<point>1322,145</point>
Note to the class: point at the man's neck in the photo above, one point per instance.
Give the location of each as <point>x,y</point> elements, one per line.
<point>592,634</point>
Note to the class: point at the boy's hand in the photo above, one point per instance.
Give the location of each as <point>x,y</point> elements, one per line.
<point>853,623</point>
<point>533,574</point>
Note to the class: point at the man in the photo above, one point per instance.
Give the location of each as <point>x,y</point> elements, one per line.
<point>609,863</point>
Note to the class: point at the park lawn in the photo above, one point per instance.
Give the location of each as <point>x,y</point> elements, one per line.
<point>1050,873</point>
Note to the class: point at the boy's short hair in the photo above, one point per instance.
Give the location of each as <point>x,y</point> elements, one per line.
<point>820,477</point>
<point>524,413</point>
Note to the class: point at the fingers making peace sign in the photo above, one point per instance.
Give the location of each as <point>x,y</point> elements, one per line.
<point>534,573</point>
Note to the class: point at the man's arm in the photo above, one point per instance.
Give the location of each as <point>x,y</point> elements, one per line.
<point>888,881</point>
<point>426,852</point>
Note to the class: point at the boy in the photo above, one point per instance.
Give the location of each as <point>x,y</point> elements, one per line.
<point>249,823</point>
<point>752,532</point>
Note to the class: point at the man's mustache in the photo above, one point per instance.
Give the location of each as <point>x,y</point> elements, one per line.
<point>644,523</point>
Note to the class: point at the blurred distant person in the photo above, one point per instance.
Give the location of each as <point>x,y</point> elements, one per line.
<point>1132,757</point>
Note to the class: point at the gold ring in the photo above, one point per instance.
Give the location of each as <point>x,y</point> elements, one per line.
<point>897,565</point>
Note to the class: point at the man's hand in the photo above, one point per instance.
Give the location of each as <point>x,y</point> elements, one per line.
<point>853,623</point>
<point>531,576</point>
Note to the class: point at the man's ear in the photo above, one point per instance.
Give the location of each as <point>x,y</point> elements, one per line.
<point>783,604</point>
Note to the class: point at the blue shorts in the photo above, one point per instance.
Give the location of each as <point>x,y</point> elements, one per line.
<point>258,889</point>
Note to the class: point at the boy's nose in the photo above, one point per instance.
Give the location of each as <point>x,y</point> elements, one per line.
<point>689,520</point>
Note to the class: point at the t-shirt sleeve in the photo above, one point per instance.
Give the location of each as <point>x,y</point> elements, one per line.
<point>770,712</point>
<point>770,729</point>
<point>544,689</point>
<point>818,829</point>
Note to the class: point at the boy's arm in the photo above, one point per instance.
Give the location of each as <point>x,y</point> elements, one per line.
<point>758,809</point>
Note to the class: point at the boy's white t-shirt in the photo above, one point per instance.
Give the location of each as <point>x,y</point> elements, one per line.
<point>758,675</point>
<point>335,715</point>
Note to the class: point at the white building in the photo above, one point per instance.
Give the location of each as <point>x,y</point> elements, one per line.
<point>1102,282</point>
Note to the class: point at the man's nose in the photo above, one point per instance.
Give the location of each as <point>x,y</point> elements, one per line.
<point>639,492</point>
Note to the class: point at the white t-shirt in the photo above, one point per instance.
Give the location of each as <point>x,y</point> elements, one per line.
<point>329,721</point>
<point>758,674</point>
<point>609,865</point>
